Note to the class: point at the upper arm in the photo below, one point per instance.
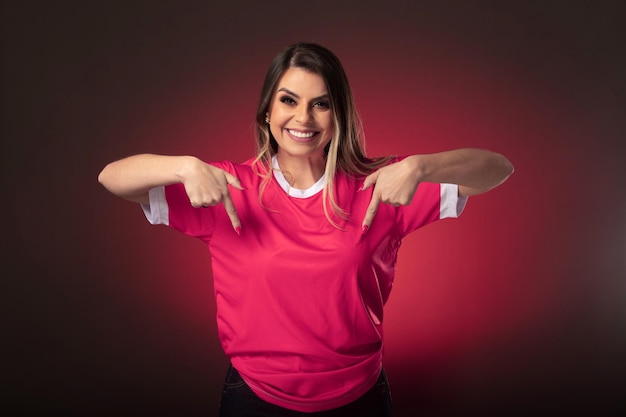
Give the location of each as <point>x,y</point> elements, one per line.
<point>465,191</point>
<point>141,199</point>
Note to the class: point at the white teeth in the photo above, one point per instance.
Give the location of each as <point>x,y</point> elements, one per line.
<point>303,135</point>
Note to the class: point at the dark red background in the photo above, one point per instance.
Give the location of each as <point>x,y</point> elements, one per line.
<point>516,308</point>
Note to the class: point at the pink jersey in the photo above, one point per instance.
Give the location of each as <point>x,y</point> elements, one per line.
<point>299,301</point>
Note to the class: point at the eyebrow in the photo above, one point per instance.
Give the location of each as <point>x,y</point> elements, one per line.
<point>288,91</point>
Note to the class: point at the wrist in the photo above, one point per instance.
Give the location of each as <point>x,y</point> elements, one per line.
<point>418,166</point>
<point>183,166</point>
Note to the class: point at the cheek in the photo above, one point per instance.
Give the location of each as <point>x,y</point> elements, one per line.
<point>327,122</point>
<point>331,129</point>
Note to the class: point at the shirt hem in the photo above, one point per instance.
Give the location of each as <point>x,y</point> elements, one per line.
<point>315,407</point>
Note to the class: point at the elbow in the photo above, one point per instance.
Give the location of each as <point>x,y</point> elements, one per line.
<point>102,177</point>
<point>506,168</point>
<point>493,170</point>
<point>497,171</point>
<point>105,177</point>
<point>502,169</point>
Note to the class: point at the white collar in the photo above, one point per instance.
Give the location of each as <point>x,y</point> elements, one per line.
<point>295,192</point>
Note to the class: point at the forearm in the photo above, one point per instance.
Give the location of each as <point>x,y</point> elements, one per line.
<point>131,178</point>
<point>474,170</point>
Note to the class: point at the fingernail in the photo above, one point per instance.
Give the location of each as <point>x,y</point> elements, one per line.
<point>238,230</point>
<point>364,229</point>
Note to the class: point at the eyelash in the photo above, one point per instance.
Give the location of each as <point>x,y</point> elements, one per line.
<point>289,100</point>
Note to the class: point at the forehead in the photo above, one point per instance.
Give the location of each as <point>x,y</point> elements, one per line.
<point>302,82</point>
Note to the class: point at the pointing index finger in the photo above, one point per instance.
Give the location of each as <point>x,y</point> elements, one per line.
<point>232,212</point>
<point>372,208</point>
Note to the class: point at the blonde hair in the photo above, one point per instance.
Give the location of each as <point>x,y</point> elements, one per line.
<point>345,153</point>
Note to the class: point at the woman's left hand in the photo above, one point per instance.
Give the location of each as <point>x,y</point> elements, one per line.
<point>394,184</point>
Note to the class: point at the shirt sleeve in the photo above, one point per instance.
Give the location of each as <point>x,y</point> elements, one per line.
<point>170,206</point>
<point>431,202</point>
<point>451,205</point>
<point>157,211</point>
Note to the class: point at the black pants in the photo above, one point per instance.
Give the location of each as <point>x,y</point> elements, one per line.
<point>238,400</point>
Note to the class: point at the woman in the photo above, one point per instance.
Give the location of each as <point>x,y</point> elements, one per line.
<point>304,238</point>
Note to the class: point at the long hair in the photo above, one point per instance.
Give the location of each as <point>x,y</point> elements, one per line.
<point>345,151</point>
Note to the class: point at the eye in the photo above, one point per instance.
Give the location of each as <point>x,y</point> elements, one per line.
<point>322,104</point>
<point>287,100</point>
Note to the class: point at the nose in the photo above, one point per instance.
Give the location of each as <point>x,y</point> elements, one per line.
<point>303,114</point>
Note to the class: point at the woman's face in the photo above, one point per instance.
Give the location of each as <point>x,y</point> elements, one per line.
<point>300,117</point>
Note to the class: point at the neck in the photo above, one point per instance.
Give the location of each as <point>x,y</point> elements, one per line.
<point>301,172</point>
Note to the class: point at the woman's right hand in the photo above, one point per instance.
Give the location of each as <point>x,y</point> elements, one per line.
<point>133,177</point>
<point>207,185</point>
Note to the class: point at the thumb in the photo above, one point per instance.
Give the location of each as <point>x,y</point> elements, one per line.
<point>369,180</point>
<point>234,181</point>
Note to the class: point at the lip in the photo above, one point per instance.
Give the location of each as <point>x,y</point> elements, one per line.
<point>299,139</point>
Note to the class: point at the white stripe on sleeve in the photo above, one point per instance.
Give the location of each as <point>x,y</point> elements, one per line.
<point>157,211</point>
<point>451,204</point>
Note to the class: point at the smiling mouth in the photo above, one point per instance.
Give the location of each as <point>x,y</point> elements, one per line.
<point>301,136</point>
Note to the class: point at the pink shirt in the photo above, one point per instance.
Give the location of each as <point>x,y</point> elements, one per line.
<point>300,302</point>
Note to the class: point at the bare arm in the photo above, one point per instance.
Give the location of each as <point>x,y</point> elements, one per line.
<point>133,177</point>
<point>474,170</point>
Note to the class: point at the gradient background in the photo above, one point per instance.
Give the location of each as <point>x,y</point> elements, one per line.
<point>519,307</point>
